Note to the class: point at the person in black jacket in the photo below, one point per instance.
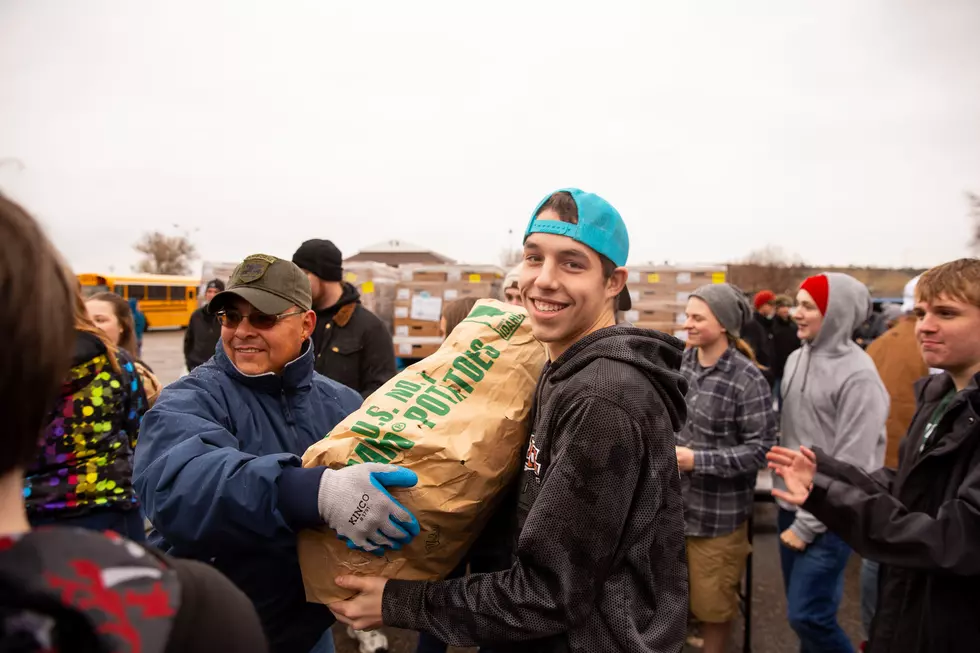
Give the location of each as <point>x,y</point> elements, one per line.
<point>69,589</point>
<point>921,522</point>
<point>203,331</point>
<point>600,563</point>
<point>351,343</point>
<point>785,340</point>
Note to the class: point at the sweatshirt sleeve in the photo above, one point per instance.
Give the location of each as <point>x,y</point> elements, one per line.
<point>202,492</point>
<point>565,549</point>
<point>879,526</point>
<point>858,431</point>
<point>757,431</point>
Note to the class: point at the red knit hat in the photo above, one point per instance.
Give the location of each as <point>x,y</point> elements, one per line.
<point>763,297</point>
<point>819,289</point>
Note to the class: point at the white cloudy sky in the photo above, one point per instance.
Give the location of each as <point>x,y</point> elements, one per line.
<point>845,131</point>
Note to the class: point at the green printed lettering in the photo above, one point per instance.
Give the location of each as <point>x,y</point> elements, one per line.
<point>475,357</point>
<point>452,376</point>
<point>428,378</point>
<point>491,352</point>
<point>383,416</point>
<point>419,415</point>
<point>408,385</point>
<point>437,391</point>
<point>434,405</point>
<point>400,395</point>
<point>459,397</point>
<point>402,443</point>
<point>369,455</point>
<point>468,368</point>
<point>365,429</point>
<point>389,451</point>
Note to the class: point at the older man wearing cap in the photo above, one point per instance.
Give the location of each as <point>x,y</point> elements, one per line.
<point>218,466</point>
<point>599,564</point>
<point>203,330</point>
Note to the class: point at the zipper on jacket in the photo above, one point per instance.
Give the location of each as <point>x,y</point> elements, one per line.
<point>284,400</point>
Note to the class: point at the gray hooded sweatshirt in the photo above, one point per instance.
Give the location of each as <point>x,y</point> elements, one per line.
<point>833,397</point>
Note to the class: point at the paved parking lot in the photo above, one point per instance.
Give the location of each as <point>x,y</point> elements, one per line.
<point>771,633</point>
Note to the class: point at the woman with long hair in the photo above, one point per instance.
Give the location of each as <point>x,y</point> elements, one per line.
<point>83,475</point>
<point>730,427</point>
<point>113,315</point>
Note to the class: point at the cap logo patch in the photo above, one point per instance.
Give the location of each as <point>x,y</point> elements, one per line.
<point>254,267</point>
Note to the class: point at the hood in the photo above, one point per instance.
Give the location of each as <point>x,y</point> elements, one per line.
<point>349,296</point>
<point>657,355</point>
<point>87,347</point>
<point>908,295</point>
<point>848,306</point>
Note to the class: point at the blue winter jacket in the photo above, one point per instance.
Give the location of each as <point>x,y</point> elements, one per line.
<point>219,474</point>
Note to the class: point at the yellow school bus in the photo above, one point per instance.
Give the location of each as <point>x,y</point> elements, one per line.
<point>166,301</point>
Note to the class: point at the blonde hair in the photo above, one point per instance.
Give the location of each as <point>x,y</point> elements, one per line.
<point>745,349</point>
<point>958,280</point>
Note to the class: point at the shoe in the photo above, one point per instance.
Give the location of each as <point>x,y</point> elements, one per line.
<point>369,641</point>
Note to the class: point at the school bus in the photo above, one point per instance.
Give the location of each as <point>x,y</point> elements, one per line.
<point>166,301</point>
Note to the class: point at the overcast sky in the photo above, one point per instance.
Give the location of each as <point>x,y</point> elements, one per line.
<point>843,131</point>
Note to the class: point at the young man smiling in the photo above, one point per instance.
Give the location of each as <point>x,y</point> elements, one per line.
<point>921,522</point>
<point>599,563</point>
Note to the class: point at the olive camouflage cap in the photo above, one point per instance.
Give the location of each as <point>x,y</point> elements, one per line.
<point>272,285</point>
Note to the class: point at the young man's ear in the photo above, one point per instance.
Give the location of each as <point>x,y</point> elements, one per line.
<point>617,282</point>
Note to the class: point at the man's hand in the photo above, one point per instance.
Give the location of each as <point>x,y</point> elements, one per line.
<point>685,458</point>
<point>790,540</point>
<point>797,469</point>
<point>354,502</point>
<point>363,611</point>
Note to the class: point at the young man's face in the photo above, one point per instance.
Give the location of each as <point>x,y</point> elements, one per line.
<point>948,331</point>
<point>210,293</point>
<point>563,288</point>
<point>513,295</point>
<point>767,310</point>
<point>783,312</point>
<point>808,317</point>
<point>258,350</point>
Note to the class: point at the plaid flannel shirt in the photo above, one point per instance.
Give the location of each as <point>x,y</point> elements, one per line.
<point>730,425</point>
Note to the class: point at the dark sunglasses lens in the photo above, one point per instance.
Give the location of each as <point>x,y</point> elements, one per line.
<point>230,319</point>
<point>262,320</point>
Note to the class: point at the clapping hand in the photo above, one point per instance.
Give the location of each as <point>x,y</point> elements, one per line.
<point>797,469</point>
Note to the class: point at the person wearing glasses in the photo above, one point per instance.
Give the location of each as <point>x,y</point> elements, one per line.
<point>218,462</point>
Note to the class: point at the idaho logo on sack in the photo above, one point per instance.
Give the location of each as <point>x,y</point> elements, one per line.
<point>504,323</point>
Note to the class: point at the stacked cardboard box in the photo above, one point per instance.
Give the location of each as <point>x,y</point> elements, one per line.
<point>377,284</point>
<point>421,295</point>
<point>660,294</point>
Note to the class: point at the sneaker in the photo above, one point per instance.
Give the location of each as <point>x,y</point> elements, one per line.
<point>369,641</point>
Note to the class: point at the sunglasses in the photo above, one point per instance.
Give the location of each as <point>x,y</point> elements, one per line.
<point>231,318</point>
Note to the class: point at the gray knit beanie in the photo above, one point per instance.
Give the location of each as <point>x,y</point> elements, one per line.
<point>728,303</point>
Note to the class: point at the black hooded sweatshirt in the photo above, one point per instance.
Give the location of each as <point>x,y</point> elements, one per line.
<point>600,563</point>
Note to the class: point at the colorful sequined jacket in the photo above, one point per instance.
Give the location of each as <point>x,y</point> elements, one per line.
<point>85,460</point>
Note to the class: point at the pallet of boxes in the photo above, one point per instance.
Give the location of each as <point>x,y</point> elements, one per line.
<point>421,295</point>
<point>377,283</point>
<point>660,293</point>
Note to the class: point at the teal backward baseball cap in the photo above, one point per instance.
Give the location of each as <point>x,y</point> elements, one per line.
<point>600,227</point>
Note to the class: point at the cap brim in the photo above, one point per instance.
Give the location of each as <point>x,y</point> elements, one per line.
<point>624,301</point>
<point>262,300</point>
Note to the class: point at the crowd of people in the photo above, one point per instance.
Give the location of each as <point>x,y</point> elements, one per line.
<point>629,519</point>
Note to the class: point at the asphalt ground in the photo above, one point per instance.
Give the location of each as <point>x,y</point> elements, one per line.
<point>162,351</point>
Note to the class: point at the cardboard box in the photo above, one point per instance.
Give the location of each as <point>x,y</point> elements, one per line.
<point>675,278</point>
<point>377,283</point>
<point>655,315</point>
<point>416,347</point>
<point>416,328</point>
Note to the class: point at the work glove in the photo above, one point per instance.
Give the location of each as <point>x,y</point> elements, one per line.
<point>354,502</point>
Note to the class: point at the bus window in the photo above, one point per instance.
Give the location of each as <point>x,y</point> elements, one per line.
<point>191,293</point>
<point>156,292</point>
<point>119,290</point>
<point>137,292</point>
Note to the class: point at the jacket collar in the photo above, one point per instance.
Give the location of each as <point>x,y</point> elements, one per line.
<point>724,365</point>
<point>297,375</point>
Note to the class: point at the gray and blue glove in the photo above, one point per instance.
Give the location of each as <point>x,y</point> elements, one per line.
<point>354,502</point>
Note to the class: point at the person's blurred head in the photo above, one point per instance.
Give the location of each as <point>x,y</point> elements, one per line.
<point>512,291</point>
<point>783,305</point>
<point>455,312</point>
<point>213,288</point>
<point>573,278</point>
<point>112,314</point>
<point>811,306</point>
<point>323,264</point>
<point>948,311</point>
<point>765,303</point>
<point>265,314</point>
<point>36,305</point>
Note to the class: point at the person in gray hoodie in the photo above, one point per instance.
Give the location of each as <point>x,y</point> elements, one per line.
<point>834,399</point>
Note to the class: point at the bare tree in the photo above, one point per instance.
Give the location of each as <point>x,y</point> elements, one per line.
<point>768,268</point>
<point>974,201</point>
<point>163,254</point>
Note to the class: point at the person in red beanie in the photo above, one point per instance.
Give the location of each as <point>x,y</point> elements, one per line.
<point>833,399</point>
<point>758,332</point>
